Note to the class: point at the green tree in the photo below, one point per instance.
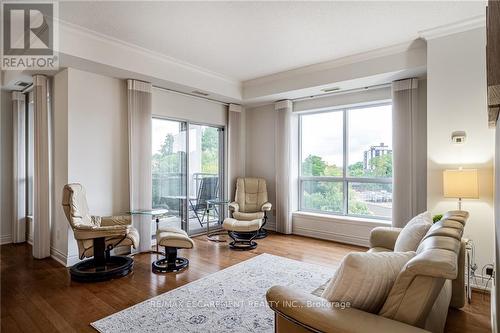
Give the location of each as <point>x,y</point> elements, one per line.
<point>313,166</point>
<point>333,170</point>
<point>209,150</point>
<point>382,166</point>
<point>168,145</point>
<point>356,170</point>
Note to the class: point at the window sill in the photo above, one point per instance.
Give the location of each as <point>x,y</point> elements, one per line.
<point>352,220</point>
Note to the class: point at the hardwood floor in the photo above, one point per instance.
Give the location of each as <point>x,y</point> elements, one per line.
<point>38,296</point>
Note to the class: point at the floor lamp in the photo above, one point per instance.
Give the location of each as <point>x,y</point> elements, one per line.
<point>460,184</point>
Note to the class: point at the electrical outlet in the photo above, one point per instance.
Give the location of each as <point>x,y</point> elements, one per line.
<point>489,271</point>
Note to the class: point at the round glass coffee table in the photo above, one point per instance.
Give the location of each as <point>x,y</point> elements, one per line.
<point>219,235</point>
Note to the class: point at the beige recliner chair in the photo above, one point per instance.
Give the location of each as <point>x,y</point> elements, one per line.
<point>383,239</point>
<point>249,213</point>
<point>96,236</point>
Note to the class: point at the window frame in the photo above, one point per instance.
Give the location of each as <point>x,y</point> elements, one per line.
<point>345,179</point>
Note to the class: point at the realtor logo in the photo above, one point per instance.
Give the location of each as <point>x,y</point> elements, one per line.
<point>29,36</point>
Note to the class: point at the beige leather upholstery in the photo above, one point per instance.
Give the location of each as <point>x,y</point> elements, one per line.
<point>115,229</point>
<point>174,237</point>
<point>384,237</point>
<point>458,293</point>
<point>248,216</point>
<point>308,313</point>
<point>419,299</point>
<point>241,226</point>
<point>250,201</point>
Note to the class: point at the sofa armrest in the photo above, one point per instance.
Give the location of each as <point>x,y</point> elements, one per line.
<point>318,315</point>
<point>384,237</point>
<point>266,207</point>
<point>234,206</point>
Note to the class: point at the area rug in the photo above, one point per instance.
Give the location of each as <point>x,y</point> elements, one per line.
<point>231,300</point>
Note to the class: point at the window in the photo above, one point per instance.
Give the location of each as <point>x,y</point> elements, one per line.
<point>346,161</point>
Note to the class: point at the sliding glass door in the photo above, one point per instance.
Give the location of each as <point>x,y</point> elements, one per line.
<point>187,167</point>
<point>205,161</point>
<point>169,170</point>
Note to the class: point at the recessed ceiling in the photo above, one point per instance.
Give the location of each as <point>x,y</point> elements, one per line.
<point>246,40</point>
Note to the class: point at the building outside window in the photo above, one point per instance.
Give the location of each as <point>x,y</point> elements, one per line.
<point>346,161</point>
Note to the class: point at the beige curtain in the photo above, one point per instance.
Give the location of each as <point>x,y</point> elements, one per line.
<point>284,165</point>
<point>236,153</point>
<point>42,173</point>
<point>139,126</point>
<point>409,152</point>
<point>19,162</point>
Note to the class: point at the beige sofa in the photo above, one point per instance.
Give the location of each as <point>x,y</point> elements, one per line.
<point>418,301</point>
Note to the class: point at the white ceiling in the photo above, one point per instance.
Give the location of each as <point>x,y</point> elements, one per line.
<point>245,40</point>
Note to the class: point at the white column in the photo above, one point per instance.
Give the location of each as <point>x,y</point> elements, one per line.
<point>235,150</point>
<point>42,175</point>
<point>19,162</point>
<point>285,173</point>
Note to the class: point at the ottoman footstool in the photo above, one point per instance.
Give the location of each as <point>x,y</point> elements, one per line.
<point>172,239</point>
<point>242,233</point>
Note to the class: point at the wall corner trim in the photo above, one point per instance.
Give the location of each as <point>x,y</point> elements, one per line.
<point>453,28</point>
<point>235,107</point>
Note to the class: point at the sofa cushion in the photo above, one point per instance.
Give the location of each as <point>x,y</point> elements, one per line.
<point>412,234</point>
<point>365,279</point>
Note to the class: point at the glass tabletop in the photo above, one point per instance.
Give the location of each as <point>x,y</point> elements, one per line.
<point>218,202</point>
<point>152,212</point>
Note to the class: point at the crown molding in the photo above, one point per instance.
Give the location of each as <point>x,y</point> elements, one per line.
<point>453,28</point>
<point>339,62</point>
<point>79,30</point>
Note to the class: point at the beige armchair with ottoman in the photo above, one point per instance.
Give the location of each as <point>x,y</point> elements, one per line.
<point>407,291</point>
<point>249,213</point>
<point>96,236</point>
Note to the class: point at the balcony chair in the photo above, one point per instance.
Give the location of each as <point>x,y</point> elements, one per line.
<point>96,236</point>
<point>209,188</point>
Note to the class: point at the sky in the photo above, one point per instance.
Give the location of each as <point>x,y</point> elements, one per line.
<point>322,133</point>
<point>160,129</point>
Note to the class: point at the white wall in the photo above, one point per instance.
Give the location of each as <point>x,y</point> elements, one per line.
<point>91,116</point>
<point>6,168</point>
<point>177,106</point>
<point>456,78</point>
<point>260,150</point>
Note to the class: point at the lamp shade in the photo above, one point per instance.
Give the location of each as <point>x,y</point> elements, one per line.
<point>460,183</point>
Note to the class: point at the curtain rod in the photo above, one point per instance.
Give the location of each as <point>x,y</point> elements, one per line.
<point>192,95</point>
<point>340,92</point>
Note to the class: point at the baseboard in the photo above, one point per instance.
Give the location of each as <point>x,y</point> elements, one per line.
<point>58,256</point>
<point>332,236</point>
<point>5,239</point>
<point>62,258</point>
<point>270,226</point>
